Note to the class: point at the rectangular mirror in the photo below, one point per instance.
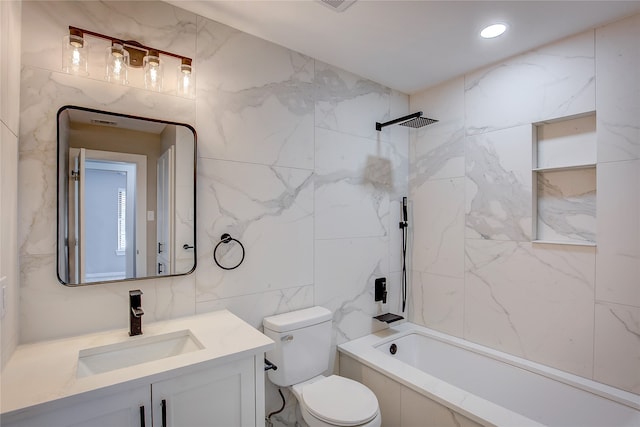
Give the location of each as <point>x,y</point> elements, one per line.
<point>126,197</point>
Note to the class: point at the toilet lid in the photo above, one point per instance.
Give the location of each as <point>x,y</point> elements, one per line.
<point>340,401</point>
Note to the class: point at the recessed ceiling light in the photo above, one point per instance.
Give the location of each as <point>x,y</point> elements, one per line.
<point>493,30</point>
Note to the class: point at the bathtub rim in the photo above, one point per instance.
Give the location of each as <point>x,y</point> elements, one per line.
<point>364,350</point>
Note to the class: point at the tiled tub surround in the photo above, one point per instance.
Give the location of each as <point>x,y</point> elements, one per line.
<point>436,379</point>
<point>476,274</point>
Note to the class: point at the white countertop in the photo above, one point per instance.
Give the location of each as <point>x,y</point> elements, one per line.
<point>46,371</point>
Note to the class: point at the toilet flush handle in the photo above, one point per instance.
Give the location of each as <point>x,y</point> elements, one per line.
<point>287,338</point>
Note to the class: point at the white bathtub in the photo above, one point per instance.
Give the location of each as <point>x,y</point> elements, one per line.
<point>487,386</point>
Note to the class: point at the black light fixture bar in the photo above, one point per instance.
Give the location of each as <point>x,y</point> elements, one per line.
<point>136,50</point>
<point>379,126</point>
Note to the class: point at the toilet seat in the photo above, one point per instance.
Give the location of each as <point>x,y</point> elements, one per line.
<point>340,401</point>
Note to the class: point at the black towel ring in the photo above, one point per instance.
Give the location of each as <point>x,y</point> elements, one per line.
<point>226,238</point>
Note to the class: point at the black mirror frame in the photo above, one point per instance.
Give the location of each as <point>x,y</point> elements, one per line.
<point>58,184</point>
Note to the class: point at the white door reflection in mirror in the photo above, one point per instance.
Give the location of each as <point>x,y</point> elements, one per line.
<point>165,213</point>
<point>107,206</point>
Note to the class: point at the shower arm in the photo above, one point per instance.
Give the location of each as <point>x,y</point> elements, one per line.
<point>379,126</point>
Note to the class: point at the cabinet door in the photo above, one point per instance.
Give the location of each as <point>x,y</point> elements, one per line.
<point>222,396</point>
<point>122,409</point>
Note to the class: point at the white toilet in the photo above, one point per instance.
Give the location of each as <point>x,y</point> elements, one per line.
<point>302,351</point>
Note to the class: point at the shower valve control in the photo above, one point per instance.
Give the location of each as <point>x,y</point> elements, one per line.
<point>381,290</point>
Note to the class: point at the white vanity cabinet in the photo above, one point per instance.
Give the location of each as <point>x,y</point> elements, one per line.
<point>219,396</point>
<point>219,384</point>
<point>117,409</point>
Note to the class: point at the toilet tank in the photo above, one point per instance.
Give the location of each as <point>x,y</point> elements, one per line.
<point>303,344</point>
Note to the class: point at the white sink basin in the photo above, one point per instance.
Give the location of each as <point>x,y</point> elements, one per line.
<point>135,351</point>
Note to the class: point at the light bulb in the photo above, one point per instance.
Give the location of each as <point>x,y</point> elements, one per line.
<point>493,31</point>
<point>185,78</point>
<point>152,70</point>
<point>117,60</point>
<point>74,53</point>
<point>75,57</point>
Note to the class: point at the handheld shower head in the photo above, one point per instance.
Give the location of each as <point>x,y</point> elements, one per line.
<point>405,222</point>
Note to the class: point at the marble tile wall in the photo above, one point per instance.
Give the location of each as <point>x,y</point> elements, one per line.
<point>617,314</point>
<point>476,273</point>
<point>10,20</point>
<point>289,163</point>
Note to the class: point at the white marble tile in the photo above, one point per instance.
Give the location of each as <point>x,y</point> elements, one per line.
<point>49,310</point>
<point>533,301</point>
<point>498,185</point>
<point>270,210</point>
<point>552,81</point>
<point>346,209</point>
<point>42,94</point>
<point>255,307</point>
<point>350,104</point>
<point>9,272</point>
<point>566,206</point>
<point>399,135</point>
<point>618,90</point>
<point>437,150</point>
<point>345,270</point>
<point>396,234</point>
<point>437,302</point>
<point>438,227</point>
<point>162,26</point>
<point>260,114</point>
<point>618,259</point>
<point>617,346</point>
<point>354,179</point>
<point>10,17</point>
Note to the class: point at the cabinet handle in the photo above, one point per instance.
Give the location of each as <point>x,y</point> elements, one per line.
<point>142,424</point>
<point>164,413</point>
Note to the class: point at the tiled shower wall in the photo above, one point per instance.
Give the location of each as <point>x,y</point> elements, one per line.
<point>289,163</point>
<point>475,272</point>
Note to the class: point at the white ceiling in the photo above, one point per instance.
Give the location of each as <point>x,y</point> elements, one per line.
<point>410,45</point>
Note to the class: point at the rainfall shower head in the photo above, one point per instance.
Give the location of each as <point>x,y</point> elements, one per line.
<point>414,120</point>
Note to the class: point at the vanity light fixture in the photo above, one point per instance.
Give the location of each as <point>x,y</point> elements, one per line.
<point>493,31</point>
<point>122,56</point>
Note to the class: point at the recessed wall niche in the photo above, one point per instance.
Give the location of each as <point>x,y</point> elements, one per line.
<point>564,180</point>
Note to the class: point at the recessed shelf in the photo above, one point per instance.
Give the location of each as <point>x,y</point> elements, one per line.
<point>565,142</point>
<point>564,181</point>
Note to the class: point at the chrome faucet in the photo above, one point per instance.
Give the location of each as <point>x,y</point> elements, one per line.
<point>135,312</point>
